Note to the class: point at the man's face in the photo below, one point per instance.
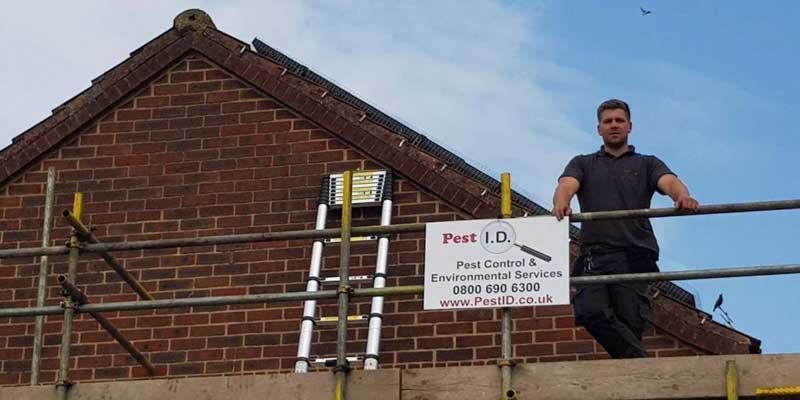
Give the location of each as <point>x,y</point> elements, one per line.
<point>614,127</point>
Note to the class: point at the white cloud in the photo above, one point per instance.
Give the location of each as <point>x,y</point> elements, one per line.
<point>465,74</point>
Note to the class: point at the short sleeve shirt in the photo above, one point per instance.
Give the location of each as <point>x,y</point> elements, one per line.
<point>617,183</point>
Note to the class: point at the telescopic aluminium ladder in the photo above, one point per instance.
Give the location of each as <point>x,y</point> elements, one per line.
<point>370,189</point>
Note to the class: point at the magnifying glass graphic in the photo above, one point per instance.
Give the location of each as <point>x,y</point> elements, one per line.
<point>534,252</point>
<point>498,237</point>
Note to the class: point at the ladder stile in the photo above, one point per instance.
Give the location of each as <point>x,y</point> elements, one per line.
<point>307,324</point>
<point>376,313</point>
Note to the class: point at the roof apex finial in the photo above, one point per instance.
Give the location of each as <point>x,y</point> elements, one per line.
<point>194,19</point>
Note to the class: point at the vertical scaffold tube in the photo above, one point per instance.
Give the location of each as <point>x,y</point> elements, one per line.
<point>731,380</point>
<point>506,361</point>
<point>63,384</point>
<point>342,366</point>
<point>376,312</point>
<point>309,307</point>
<point>42,292</point>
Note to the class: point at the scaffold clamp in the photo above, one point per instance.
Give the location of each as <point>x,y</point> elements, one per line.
<point>345,289</point>
<point>506,362</point>
<point>346,368</point>
<point>65,383</point>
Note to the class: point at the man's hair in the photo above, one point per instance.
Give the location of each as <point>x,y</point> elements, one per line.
<point>613,104</point>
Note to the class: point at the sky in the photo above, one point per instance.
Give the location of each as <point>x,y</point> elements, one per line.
<point>513,86</point>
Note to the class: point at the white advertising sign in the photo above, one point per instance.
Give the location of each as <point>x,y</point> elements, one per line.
<point>497,263</point>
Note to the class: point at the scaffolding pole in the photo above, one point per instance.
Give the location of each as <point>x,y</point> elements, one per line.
<point>342,365</point>
<point>112,262</point>
<point>80,298</point>
<point>506,361</point>
<point>383,230</point>
<point>62,382</point>
<point>41,294</point>
<point>703,210</point>
<point>390,291</point>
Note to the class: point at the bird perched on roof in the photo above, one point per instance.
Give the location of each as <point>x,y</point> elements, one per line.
<point>725,316</point>
<point>645,12</point>
<point>718,303</point>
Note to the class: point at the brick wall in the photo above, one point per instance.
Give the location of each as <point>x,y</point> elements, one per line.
<point>198,153</point>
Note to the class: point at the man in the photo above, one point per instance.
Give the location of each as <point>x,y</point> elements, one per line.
<point>616,178</point>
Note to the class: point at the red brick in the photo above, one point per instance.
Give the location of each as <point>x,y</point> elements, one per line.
<point>575,347</point>
<point>551,311</point>
<point>457,328</point>
<point>186,369</point>
<point>152,102</point>
<point>435,343</point>
<point>238,107</point>
<point>154,321</point>
<point>187,344</point>
<point>560,335</point>
<point>133,115</point>
<point>159,90</point>
<point>206,355</point>
<point>474,341</point>
<point>169,112</point>
<point>193,76</point>
<point>222,97</point>
<point>187,99</point>
<point>435,316</point>
<point>534,350</point>
<point>454,355</point>
<point>200,87</point>
<point>210,330</point>
<point>112,373</point>
<point>203,109</point>
<point>415,356</point>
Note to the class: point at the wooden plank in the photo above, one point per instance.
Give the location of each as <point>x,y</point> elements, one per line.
<point>456,383</point>
<point>700,377</point>
<point>655,378</point>
<point>312,386</point>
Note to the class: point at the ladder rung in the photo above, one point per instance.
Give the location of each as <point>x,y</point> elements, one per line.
<point>362,174</point>
<point>328,360</point>
<point>354,278</point>
<point>352,239</point>
<point>335,319</point>
<point>360,189</point>
<point>367,188</point>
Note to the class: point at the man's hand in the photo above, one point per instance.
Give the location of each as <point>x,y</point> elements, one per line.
<point>687,203</point>
<point>567,187</point>
<point>562,210</point>
<point>674,188</point>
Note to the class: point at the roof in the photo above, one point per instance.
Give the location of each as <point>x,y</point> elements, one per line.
<point>363,126</point>
<point>414,138</point>
<point>425,144</point>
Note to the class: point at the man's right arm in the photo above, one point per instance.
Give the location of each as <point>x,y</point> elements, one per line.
<point>567,187</point>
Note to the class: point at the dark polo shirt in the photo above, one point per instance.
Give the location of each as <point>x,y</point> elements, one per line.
<point>617,183</point>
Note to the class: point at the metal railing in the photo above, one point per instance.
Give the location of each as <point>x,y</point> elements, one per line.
<point>77,302</point>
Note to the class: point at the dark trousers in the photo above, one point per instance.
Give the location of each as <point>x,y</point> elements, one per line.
<point>615,314</point>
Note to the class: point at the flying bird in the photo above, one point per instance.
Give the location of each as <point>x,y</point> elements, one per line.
<point>645,12</point>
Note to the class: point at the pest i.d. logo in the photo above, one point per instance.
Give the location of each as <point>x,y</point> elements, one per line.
<point>498,237</point>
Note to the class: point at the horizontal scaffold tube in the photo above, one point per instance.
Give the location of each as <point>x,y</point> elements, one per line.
<point>673,212</point>
<point>380,230</point>
<point>393,291</point>
<point>214,240</point>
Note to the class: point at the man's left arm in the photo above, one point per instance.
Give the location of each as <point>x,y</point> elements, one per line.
<point>675,189</point>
